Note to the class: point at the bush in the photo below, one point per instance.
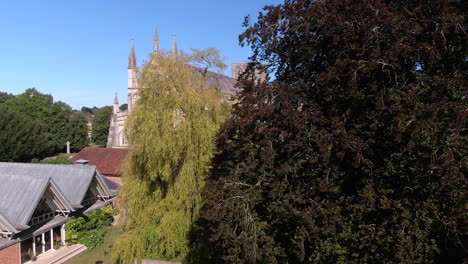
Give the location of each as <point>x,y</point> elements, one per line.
<point>93,239</point>
<point>90,229</point>
<point>60,159</point>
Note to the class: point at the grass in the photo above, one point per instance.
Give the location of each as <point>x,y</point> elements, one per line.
<point>94,145</point>
<point>99,254</point>
<point>61,158</point>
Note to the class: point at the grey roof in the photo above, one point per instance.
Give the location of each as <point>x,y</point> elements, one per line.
<point>22,191</point>
<point>6,225</point>
<point>112,185</point>
<point>72,180</point>
<point>225,84</point>
<point>5,242</point>
<point>97,205</point>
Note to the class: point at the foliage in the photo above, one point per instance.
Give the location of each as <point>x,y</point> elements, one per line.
<point>93,239</point>
<point>207,59</point>
<point>88,110</point>
<point>356,153</point>
<point>123,107</point>
<point>91,228</point>
<point>21,137</point>
<point>101,124</point>
<point>172,131</point>
<point>60,159</point>
<point>77,132</point>
<point>55,117</point>
<point>99,254</point>
<point>5,96</point>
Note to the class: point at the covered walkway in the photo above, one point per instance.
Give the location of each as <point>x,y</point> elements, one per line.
<point>58,256</point>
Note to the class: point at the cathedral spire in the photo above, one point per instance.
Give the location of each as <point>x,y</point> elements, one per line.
<point>116,104</point>
<point>132,60</point>
<point>174,46</point>
<point>156,41</point>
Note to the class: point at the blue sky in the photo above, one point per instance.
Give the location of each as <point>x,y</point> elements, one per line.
<point>77,50</point>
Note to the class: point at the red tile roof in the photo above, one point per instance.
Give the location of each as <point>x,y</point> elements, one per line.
<point>108,160</point>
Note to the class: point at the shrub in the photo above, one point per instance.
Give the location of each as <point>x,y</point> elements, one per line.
<point>93,239</point>
<point>91,228</point>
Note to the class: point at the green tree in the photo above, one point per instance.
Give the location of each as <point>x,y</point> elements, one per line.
<point>54,116</point>
<point>356,153</point>
<point>5,96</point>
<point>207,59</point>
<point>123,107</point>
<point>88,110</point>
<point>101,125</point>
<point>77,132</point>
<point>21,137</point>
<point>172,131</point>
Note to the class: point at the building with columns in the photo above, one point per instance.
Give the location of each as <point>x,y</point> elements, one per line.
<point>37,200</point>
<point>225,84</point>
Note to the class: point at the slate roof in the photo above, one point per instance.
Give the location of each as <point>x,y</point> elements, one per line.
<point>6,225</point>
<point>72,180</point>
<point>225,84</point>
<point>22,191</point>
<point>107,160</point>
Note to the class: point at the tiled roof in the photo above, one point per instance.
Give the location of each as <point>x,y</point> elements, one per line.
<point>107,160</point>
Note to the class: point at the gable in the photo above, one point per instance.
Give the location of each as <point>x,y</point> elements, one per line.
<point>19,196</point>
<point>72,180</point>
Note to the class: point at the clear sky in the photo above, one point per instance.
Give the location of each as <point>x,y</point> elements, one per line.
<point>76,50</point>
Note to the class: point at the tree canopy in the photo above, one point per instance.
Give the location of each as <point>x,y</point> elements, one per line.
<point>209,59</point>
<point>172,133</point>
<point>356,153</point>
<point>123,107</point>
<point>101,124</point>
<point>56,123</point>
<point>21,137</point>
<point>5,96</point>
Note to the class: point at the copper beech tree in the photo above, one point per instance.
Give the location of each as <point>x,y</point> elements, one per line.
<point>356,152</point>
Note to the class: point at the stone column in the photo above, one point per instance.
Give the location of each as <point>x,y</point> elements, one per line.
<point>68,147</point>
<point>52,238</point>
<point>43,242</point>
<point>62,234</point>
<point>34,245</point>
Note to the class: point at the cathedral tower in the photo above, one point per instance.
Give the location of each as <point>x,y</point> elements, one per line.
<point>132,77</point>
<point>115,109</point>
<point>174,47</point>
<point>156,42</point>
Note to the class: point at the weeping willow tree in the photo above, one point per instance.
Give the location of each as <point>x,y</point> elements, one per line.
<point>172,132</point>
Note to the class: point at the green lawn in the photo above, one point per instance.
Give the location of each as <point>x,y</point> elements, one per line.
<point>98,255</point>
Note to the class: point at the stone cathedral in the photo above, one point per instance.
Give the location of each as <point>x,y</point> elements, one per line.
<point>116,138</point>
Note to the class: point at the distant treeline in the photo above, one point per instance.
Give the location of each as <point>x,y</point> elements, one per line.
<point>33,126</point>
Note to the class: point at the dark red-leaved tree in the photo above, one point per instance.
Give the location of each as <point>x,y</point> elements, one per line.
<point>357,151</point>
